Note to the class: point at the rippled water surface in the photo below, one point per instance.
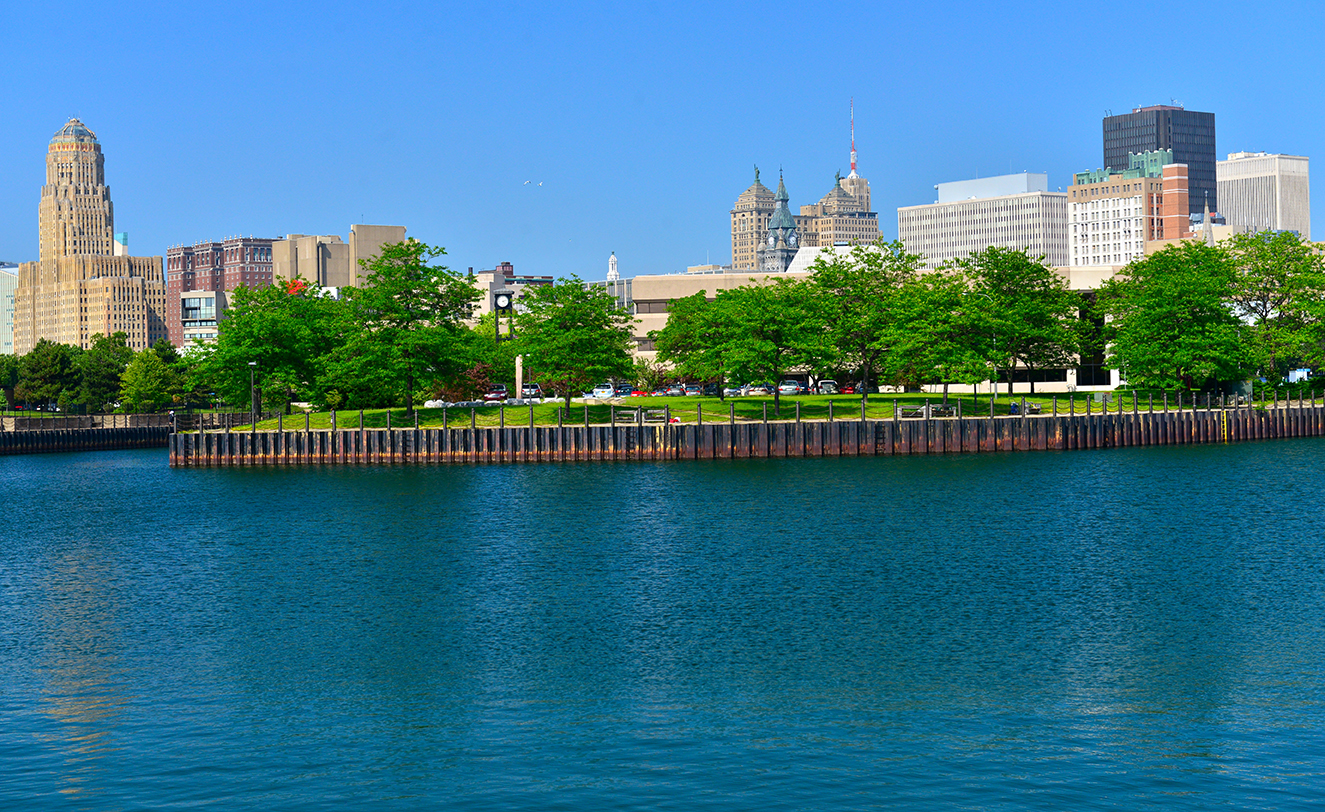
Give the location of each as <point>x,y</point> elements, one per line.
<point>1125,629</point>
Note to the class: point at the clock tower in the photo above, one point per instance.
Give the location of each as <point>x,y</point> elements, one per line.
<point>781,241</point>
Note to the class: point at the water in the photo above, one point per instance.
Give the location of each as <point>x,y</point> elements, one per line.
<point>1129,629</point>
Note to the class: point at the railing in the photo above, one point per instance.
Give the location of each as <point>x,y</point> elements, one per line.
<point>86,421</point>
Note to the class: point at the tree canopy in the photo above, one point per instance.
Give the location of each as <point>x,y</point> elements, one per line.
<point>573,336</point>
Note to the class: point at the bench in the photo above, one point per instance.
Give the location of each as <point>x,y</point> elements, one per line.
<point>934,411</point>
<point>633,415</point>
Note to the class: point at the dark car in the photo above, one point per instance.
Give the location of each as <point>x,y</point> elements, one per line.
<point>710,390</point>
<point>496,392</point>
<point>625,391</point>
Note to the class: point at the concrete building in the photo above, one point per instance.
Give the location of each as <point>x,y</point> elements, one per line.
<point>79,287</point>
<point>199,314</point>
<point>504,277</point>
<point>839,218</point>
<point>1009,211</point>
<point>754,208</point>
<point>8,284</point>
<point>1189,134</point>
<point>1266,192</point>
<point>212,267</point>
<point>328,260</point>
<point>1113,213</point>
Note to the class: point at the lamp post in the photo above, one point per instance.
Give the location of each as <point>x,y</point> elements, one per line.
<point>252,396</point>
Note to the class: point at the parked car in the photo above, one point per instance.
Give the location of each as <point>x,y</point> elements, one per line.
<point>827,387</point>
<point>710,390</point>
<point>532,390</point>
<point>789,388</point>
<point>676,390</point>
<point>603,390</point>
<point>496,393</point>
<point>758,389</point>
<point>692,390</point>
<point>848,389</point>
<point>625,391</point>
<point>731,391</point>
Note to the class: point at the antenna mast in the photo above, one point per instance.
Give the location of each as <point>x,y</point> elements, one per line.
<point>853,136</point>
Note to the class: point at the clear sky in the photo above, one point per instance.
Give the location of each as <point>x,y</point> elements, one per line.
<point>642,121</point>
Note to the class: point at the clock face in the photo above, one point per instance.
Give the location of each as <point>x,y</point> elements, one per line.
<point>772,240</point>
<point>503,302</point>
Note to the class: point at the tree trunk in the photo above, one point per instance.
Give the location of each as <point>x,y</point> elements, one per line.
<point>865,380</point>
<point>945,393</point>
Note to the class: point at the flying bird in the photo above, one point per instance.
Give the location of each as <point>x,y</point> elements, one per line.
<point>526,183</point>
<point>540,183</point>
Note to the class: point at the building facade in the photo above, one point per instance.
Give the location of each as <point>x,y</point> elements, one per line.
<point>1008,211</point>
<point>1188,133</point>
<point>1266,192</point>
<point>754,208</point>
<point>79,287</point>
<point>781,241</point>
<point>1113,213</point>
<point>329,261</point>
<point>211,267</point>
<point>8,284</point>
<point>839,218</point>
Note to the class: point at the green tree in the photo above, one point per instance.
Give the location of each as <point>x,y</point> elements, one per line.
<point>147,383</point>
<point>167,351</point>
<point>407,327</point>
<point>861,302</point>
<point>1173,323</point>
<point>938,332</point>
<point>1030,317</point>
<point>1279,291</point>
<point>693,341</point>
<point>770,330</point>
<point>288,334</point>
<point>100,368</point>
<point>8,378</point>
<point>48,374</point>
<point>573,335</point>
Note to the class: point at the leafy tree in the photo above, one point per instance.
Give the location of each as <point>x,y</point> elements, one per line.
<point>286,334</point>
<point>48,374</point>
<point>1279,291</point>
<point>573,335</point>
<point>406,326</point>
<point>147,383</point>
<point>861,301</point>
<point>1173,322</point>
<point>167,351</point>
<point>8,378</point>
<point>770,330</point>
<point>100,368</point>
<point>468,385</point>
<point>693,340</point>
<point>938,332</point>
<point>1030,315</point>
<point>649,375</point>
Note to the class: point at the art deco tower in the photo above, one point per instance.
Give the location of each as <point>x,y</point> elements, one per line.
<point>75,216</point>
<point>79,288</point>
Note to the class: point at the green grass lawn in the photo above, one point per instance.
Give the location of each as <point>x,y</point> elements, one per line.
<point>688,409</point>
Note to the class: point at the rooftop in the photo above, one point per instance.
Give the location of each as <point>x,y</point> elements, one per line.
<point>75,132</point>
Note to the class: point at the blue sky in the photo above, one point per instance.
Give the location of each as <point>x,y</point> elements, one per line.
<point>642,121</point>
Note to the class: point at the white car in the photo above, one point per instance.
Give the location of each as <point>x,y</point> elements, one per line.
<point>604,390</point>
<point>789,388</point>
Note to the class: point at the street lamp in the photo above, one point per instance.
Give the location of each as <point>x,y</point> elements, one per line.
<point>252,395</point>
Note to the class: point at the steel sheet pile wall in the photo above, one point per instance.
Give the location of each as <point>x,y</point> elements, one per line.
<point>37,442</point>
<point>743,440</point>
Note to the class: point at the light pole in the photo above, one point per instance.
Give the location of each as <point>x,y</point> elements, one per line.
<point>252,396</point>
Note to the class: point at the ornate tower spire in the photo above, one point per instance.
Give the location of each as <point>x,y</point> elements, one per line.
<point>612,274</point>
<point>853,139</point>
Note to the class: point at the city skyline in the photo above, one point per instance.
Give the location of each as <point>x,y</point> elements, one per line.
<point>642,126</point>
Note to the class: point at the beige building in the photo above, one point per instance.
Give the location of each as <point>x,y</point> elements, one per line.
<point>754,208</point>
<point>840,217</point>
<point>79,287</point>
<point>1266,192</point>
<point>328,260</point>
<point>1007,211</point>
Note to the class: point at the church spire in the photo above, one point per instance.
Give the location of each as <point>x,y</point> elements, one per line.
<point>1207,228</point>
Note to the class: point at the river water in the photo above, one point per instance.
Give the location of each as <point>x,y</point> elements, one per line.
<point>1125,629</point>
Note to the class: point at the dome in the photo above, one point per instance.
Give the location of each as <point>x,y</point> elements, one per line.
<point>74,132</point>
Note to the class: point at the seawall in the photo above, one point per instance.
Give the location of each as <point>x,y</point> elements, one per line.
<point>839,438</point>
<point>113,439</point>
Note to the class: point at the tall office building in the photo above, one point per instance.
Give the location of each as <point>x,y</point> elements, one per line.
<point>1113,214</point>
<point>8,284</point>
<point>1189,134</point>
<point>1266,192</point>
<point>754,208</point>
<point>79,287</point>
<point>1007,211</point>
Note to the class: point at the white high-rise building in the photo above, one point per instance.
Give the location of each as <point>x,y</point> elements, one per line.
<point>1008,211</point>
<point>8,284</point>
<point>1264,191</point>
